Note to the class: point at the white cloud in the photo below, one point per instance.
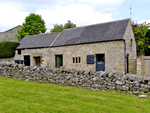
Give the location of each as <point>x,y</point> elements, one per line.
<point>11,17</point>
<point>103,2</point>
<point>142,21</point>
<point>79,14</point>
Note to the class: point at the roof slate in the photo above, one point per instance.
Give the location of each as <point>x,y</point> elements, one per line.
<point>94,33</point>
<point>37,41</point>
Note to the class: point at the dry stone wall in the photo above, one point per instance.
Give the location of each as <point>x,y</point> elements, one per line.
<point>7,60</point>
<point>79,78</point>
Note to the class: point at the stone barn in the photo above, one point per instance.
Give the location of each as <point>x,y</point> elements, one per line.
<point>106,46</point>
<point>9,35</point>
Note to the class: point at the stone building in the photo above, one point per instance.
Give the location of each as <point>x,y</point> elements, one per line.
<point>9,35</point>
<point>106,46</point>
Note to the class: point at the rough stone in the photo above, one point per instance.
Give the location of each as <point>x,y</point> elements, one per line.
<point>87,79</point>
<point>118,82</point>
<point>92,72</point>
<point>142,96</point>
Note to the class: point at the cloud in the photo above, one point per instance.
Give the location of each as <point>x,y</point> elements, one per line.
<point>79,14</point>
<point>40,2</point>
<point>11,16</point>
<point>103,2</point>
<point>142,21</point>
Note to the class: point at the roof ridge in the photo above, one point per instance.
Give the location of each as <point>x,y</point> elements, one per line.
<point>97,24</point>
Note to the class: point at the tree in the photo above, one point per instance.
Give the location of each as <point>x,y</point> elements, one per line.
<point>57,28</point>
<point>141,36</point>
<point>34,24</point>
<point>60,28</point>
<point>69,25</point>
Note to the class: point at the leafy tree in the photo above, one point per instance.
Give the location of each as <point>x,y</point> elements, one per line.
<point>34,24</point>
<point>69,25</point>
<point>60,28</point>
<point>57,28</point>
<point>141,33</point>
<point>148,33</point>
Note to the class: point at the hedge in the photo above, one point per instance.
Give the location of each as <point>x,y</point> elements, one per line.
<point>7,49</point>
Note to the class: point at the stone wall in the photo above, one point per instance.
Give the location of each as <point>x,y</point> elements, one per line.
<point>7,60</point>
<point>43,52</point>
<point>9,35</point>
<point>79,78</point>
<point>113,50</point>
<point>140,64</point>
<point>113,53</point>
<point>133,66</point>
<point>131,51</point>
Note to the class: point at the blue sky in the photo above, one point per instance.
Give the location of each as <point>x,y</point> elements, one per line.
<point>80,12</point>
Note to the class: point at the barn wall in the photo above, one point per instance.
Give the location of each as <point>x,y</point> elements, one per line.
<point>113,50</point>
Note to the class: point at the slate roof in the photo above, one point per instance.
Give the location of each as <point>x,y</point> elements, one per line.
<point>37,41</point>
<point>94,33</point>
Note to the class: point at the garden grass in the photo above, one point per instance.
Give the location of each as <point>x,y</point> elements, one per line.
<point>18,96</point>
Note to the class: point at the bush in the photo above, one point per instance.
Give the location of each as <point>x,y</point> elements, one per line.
<point>7,49</point>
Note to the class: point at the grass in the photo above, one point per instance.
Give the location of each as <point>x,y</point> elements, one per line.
<point>31,97</point>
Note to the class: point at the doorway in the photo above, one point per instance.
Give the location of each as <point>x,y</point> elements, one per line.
<point>100,62</point>
<point>58,61</point>
<point>37,61</point>
<point>27,60</point>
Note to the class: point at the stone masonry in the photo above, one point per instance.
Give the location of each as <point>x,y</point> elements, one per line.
<point>78,78</point>
<point>114,52</point>
<point>131,51</point>
<point>43,52</point>
<point>9,35</point>
<point>7,60</point>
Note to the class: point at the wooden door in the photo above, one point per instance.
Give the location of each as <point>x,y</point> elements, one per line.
<point>37,61</point>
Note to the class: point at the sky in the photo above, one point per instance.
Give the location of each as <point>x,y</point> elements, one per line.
<point>79,12</point>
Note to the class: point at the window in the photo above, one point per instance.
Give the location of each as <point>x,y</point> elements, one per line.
<point>19,51</point>
<point>76,60</point>
<point>19,61</point>
<point>73,60</point>
<point>130,42</point>
<point>79,60</point>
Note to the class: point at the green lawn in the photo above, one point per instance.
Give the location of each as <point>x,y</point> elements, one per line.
<point>26,96</point>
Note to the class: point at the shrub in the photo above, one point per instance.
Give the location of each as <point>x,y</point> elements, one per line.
<point>7,49</point>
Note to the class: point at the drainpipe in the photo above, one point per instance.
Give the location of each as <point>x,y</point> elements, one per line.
<point>125,55</point>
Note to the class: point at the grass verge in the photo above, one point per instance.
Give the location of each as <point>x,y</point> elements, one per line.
<point>30,97</point>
